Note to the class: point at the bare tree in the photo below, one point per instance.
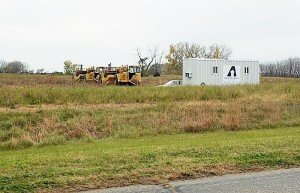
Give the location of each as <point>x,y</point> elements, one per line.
<point>217,51</point>
<point>157,66</point>
<point>286,68</point>
<point>180,51</point>
<point>154,56</point>
<point>2,64</point>
<point>187,50</point>
<point>40,71</point>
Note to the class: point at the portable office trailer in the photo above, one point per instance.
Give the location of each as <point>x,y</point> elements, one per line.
<point>219,72</point>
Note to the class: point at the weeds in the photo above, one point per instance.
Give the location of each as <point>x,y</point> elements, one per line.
<point>168,118</point>
<point>63,95</point>
<point>131,112</point>
<point>146,131</point>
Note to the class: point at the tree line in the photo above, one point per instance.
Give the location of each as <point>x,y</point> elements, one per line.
<point>13,67</point>
<point>285,68</point>
<point>156,62</point>
<point>19,67</point>
<point>171,63</point>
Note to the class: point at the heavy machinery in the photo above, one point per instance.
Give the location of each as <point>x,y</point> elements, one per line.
<point>124,75</point>
<point>106,75</point>
<point>128,75</point>
<point>89,74</point>
<point>80,74</point>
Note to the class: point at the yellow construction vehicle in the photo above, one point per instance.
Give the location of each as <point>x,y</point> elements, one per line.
<point>92,75</point>
<point>124,75</point>
<point>128,75</point>
<point>80,74</point>
<point>89,74</point>
<point>106,75</point>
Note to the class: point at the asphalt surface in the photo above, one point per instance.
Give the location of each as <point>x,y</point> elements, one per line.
<point>280,181</point>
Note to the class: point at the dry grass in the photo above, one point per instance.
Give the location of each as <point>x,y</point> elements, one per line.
<point>201,124</point>
<point>146,130</point>
<point>35,80</point>
<point>50,114</point>
<point>55,126</point>
<point>154,81</point>
<point>83,127</point>
<point>83,107</point>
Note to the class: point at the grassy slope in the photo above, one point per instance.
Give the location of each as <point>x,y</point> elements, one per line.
<point>43,111</point>
<point>52,110</point>
<point>40,127</point>
<point>141,111</point>
<point>117,162</point>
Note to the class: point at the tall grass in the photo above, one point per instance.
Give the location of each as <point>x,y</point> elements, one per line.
<point>63,113</point>
<point>12,96</point>
<point>50,127</point>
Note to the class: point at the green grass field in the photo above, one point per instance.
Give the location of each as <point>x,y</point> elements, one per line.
<point>156,160</point>
<point>59,135</point>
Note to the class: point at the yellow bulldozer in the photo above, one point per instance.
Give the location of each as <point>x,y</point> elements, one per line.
<point>106,75</point>
<point>85,75</point>
<point>124,75</point>
<point>128,75</point>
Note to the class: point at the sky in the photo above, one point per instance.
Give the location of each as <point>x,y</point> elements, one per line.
<point>45,33</point>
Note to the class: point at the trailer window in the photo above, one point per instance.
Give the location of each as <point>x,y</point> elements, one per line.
<point>188,75</point>
<point>215,70</point>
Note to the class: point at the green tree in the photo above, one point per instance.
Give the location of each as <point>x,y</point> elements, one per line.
<point>69,67</point>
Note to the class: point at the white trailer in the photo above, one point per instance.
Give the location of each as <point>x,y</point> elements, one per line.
<point>219,72</point>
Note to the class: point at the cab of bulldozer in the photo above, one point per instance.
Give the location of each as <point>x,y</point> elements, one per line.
<point>100,69</point>
<point>134,69</point>
<point>135,73</point>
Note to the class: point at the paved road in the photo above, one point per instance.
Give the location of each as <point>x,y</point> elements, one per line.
<point>280,181</point>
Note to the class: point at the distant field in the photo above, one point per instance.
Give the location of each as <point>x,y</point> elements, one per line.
<point>56,133</point>
<point>66,80</point>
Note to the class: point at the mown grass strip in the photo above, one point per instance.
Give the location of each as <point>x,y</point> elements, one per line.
<point>147,160</point>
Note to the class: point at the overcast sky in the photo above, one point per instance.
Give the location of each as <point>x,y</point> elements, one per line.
<point>45,33</point>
